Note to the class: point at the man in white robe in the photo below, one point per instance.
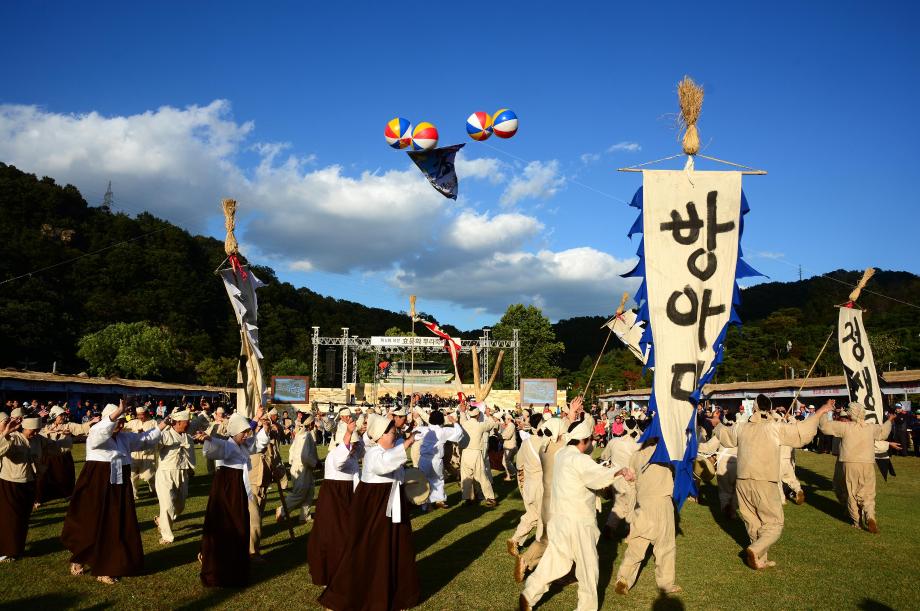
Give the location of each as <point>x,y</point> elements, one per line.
<point>572,528</point>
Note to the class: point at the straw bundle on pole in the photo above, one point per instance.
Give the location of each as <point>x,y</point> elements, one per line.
<point>867,275</point>
<point>690,96</point>
<point>231,247</point>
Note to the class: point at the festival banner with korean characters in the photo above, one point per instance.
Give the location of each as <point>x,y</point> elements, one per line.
<point>689,260</point>
<point>858,363</point>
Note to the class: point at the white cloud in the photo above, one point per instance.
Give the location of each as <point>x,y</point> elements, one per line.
<point>301,216</point>
<point>170,161</point>
<point>578,281</point>
<point>629,147</point>
<point>539,180</point>
<point>590,157</point>
<point>483,168</point>
<point>480,232</point>
<point>766,254</point>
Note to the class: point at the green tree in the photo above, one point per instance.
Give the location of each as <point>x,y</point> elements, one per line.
<point>539,352</point>
<point>290,366</point>
<point>219,371</point>
<point>131,350</point>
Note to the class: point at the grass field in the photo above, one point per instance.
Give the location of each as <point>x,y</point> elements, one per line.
<point>823,563</point>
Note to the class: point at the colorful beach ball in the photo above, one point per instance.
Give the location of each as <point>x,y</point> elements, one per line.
<point>424,137</point>
<point>479,126</point>
<point>398,133</point>
<point>505,123</point>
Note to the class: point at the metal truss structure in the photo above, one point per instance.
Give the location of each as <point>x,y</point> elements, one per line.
<point>353,345</point>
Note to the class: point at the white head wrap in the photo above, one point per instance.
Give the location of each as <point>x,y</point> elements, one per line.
<point>180,416</point>
<point>238,423</point>
<point>56,411</point>
<point>583,431</point>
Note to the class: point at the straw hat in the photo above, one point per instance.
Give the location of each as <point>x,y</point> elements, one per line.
<point>56,411</point>
<point>32,424</point>
<point>416,486</point>
<point>180,416</point>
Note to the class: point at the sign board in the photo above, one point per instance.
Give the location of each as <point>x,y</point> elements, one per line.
<point>290,389</point>
<point>538,391</point>
<point>408,341</point>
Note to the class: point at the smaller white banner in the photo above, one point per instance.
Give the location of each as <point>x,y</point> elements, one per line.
<point>858,364</point>
<point>629,332</point>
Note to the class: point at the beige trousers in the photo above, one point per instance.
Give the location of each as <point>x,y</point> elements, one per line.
<point>761,508</point>
<point>653,525</point>
<point>726,478</point>
<point>860,489</point>
<point>301,496</point>
<point>508,455</point>
<point>172,490</point>
<point>570,540</point>
<point>532,493</point>
<point>142,470</point>
<point>840,484</point>
<point>473,479</point>
<point>624,501</point>
<point>256,507</point>
<point>787,476</point>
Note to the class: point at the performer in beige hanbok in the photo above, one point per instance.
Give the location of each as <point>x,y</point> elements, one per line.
<point>303,458</point>
<point>474,480</point>
<point>857,460</point>
<point>175,454</point>
<point>144,460</point>
<point>759,502</point>
<point>530,474</point>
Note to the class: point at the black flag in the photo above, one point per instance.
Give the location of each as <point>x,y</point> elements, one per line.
<point>438,167</point>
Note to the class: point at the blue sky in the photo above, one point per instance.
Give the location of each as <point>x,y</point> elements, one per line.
<point>283,106</point>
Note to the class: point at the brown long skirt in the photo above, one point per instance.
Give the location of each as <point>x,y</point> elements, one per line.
<point>16,500</point>
<point>100,528</point>
<point>58,480</point>
<point>326,543</point>
<point>225,536</point>
<point>378,571</point>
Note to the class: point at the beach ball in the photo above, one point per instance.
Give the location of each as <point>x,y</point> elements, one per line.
<point>398,133</point>
<point>479,126</point>
<point>505,123</point>
<point>424,137</point>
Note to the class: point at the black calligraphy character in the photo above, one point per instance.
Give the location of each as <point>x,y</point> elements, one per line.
<point>869,401</point>
<point>678,372</point>
<point>695,313</point>
<point>854,381</point>
<point>713,229</point>
<point>855,335</point>
<point>692,226</point>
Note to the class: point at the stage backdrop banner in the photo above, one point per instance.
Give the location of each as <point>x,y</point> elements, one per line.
<point>689,260</point>
<point>858,363</point>
<point>538,392</point>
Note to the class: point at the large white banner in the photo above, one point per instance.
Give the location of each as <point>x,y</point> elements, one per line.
<point>858,364</point>
<point>691,228</point>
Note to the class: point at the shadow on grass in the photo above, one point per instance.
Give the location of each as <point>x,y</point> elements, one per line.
<point>439,568</point>
<point>815,482</point>
<point>869,604</point>
<point>734,528</point>
<point>667,603</point>
<point>50,601</point>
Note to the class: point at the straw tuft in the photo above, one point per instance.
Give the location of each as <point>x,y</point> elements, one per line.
<point>867,275</point>
<point>690,96</point>
<point>231,247</point>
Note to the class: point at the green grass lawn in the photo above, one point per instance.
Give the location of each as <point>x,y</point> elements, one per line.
<point>823,563</point>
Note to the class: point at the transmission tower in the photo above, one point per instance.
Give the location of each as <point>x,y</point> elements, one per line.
<point>108,200</point>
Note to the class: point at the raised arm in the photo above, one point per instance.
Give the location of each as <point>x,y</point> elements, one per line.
<point>215,448</point>
<point>884,430</point>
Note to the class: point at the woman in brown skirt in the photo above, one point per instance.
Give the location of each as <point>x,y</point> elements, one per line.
<point>333,508</point>
<point>100,528</point>
<point>377,572</point>
<point>20,452</point>
<point>59,476</point>
<point>224,553</point>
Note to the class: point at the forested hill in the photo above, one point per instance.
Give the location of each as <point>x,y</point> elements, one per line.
<point>164,276</point>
